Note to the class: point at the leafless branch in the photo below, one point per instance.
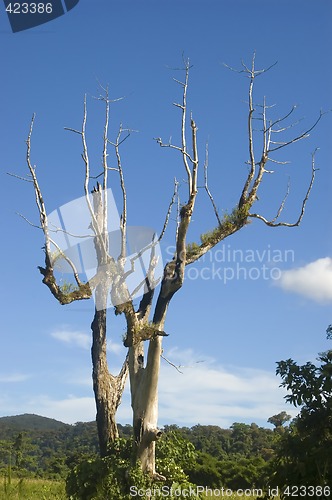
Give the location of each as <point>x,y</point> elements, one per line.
<point>105,173</point>
<point>68,233</point>
<point>250,71</point>
<point>68,260</point>
<point>299,137</point>
<point>98,231</point>
<point>85,157</point>
<point>177,367</point>
<point>174,196</point>
<point>123,218</point>
<point>19,177</point>
<point>172,364</point>
<point>178,208</point>
<point>84,290</point>
<point>282,204</point>
<point>28,221</point>
<point>38,194</point>
<point>278,162</point>
<point>273,223</point>
<point>206,186</point>
<point>183,149</point>
<point>183,126</point>
<point>73,130</point>
<point>252,161</point>
<point>172,146</point>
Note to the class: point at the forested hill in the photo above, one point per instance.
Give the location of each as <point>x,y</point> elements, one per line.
<point>29,421</point>
<point>43,447</point>
<point>32,425</point>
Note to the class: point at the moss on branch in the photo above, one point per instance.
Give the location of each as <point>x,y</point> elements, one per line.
<point>65,294</point>
<point>230,224</point>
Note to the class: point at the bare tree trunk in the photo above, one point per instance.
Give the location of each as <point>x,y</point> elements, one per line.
<point>107,388</point>
<point>144,380</point>
<point>104,389</point>
<point>145,409</point>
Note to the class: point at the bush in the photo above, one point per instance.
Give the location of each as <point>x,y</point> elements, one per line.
<point>243,473</point>
<point>303,456</point>
<point>115,476</point>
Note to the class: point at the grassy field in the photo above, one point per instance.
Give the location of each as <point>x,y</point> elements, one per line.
<point>32,489</point>
<point>41,489</point>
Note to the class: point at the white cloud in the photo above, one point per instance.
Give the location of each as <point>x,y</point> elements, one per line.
<point>70,410</point>
<point>83,340</point>
<point>313,280</point>
<point>206,392</point>
<point>115,348</point>
<point>209,393</point>
<point>77,338</point>
<point>14,377</point>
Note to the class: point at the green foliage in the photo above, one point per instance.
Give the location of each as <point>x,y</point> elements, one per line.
<point>67,287</point>
<point>243,473</point>
<point>115,475</point>
<point>41,447</point>
<point>192,248</point>
<point>279,420</point>
<point>304,451</point>
<point>310,385</point>
<point>204,454</point>
<point>28,421</point>
<point>233,458</point>
<point>206,471</point>
<point>329,332</point>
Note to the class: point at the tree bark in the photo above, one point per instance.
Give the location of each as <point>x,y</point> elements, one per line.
<point>105,394</point>
<point>145,404</point>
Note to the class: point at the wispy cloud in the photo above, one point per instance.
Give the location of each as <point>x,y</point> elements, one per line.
<point>313,280</point>
<point>70,410</point>
<point>206,392</point>
<point>209,393</point>
<point>82,340</point>
<point>14,377</point>
<point>77,338</point>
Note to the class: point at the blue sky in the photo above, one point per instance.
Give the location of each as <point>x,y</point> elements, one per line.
<point>240,327</point>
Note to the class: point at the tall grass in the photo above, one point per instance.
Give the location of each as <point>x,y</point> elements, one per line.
<point>43,489</point>
<point>32,489</point>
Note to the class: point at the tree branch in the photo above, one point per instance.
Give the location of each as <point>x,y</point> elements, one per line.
<point>273,223</point>
<point>206,186</point>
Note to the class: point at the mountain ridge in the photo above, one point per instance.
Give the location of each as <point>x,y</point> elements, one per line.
<point>31,421</point>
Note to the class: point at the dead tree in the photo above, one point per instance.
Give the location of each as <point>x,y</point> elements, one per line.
<point>144,336</point>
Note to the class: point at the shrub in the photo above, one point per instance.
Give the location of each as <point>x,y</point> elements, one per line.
<point>114,476</point>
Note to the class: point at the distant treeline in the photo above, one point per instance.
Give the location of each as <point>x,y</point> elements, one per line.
<point>41,447</point>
